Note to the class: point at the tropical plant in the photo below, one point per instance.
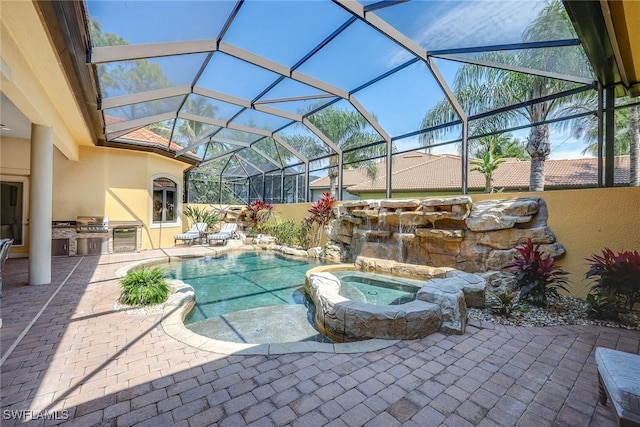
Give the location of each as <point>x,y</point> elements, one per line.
<point>348,130</point>
<point>626,140</point>
<point>480,89</point>
<point>505,301</point>
<point>617,276</point>
<point>487,166</point>
<point>201,214</point>
<point>321,212</point>
<point>257,212</point>
<point>502,145</point>
<point>602,307</point>
<point>144,287</point>
<point>536,274</point>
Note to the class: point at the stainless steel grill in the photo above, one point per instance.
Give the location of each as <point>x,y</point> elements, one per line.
<point>92,224</point>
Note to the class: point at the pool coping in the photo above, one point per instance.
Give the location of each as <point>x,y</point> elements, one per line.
<point>182,300</point>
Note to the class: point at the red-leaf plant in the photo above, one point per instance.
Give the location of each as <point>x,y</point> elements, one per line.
<point>618,276</point>
<point>536,274</point>
<point>258,211</point>
<point>321,212</point>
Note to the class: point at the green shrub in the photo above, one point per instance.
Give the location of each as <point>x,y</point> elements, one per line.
<point>288,232</point>
<point>602,307</point>
<point>505,301</point>
<point>144,287</point>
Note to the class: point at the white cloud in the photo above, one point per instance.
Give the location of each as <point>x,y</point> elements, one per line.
<point>471,23</point>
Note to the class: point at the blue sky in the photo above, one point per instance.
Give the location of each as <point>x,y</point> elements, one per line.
<point>283,31</point>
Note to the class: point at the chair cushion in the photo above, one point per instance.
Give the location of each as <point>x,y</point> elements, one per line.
<point>219,236</point>
<point>186,236</point>
<point>200,227</point>
<point>620,373</point>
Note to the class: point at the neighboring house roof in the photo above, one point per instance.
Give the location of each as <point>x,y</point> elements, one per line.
<point>442,173</point>
<point>356,176</point>
<point>145,137</point>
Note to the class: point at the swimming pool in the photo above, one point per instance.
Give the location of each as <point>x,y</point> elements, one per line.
<point>249,297</point>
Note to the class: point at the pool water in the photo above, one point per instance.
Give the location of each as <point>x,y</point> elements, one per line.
<point>377,289</point>
<point>254,297</point>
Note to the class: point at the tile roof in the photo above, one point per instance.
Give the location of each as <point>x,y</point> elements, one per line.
<point>356,176</point>
<point>145,137</point>
<point>426,172</point>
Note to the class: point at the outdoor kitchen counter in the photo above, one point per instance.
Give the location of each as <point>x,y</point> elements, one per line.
<point>67,241</point>
<point>120,224</point>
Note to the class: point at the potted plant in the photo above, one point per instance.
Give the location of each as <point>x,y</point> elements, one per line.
<point>536,274</point>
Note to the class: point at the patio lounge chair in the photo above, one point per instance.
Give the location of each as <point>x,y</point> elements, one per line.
<point>5,245</point>
<point>227,231</point>
<point>196,232</point>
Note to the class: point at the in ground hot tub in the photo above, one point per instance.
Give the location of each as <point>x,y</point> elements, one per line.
<point>377,289</point>
<point>345,310</point>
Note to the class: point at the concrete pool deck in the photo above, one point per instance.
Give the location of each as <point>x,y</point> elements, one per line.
<point>67,354</point>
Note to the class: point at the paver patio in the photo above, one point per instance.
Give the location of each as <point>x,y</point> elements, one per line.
<point>88,364</point>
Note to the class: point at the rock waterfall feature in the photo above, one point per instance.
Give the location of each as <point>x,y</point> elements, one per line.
<point>453,244</point>
<point>444,232</point>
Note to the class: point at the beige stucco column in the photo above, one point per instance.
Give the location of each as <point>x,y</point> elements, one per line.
<point>40,205</point>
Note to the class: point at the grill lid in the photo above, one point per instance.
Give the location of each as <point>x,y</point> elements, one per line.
<point>92,220</point>
<point>92,223</point>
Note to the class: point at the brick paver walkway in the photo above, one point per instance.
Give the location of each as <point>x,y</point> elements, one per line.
<point>88,364</point>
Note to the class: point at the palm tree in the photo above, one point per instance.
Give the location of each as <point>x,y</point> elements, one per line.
<point>626,140</point>
<point>481,89</point>
<point>346,129</point>
<point>500,145</point>
<point>487,166</point>
<point>490,151</point>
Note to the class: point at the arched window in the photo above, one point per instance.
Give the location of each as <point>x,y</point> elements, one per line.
<point>165,200</point>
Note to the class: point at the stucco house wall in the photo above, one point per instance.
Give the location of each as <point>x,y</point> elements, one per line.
<point>104,181</point>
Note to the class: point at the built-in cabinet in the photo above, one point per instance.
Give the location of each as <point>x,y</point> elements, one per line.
<point>60,247</point>
<point>92,246</point>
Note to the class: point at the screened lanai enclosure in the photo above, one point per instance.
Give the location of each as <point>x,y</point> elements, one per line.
<point>262,97</point>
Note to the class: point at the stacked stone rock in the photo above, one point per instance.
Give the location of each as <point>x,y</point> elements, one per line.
<point>440,305</point>
<point>445,232</point>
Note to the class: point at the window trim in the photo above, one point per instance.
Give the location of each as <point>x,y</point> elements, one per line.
<point>161,224</point>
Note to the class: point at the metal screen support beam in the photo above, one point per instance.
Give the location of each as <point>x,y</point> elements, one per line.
<point>264,187</point>
<point>600,116</point>
<point>340,170</point>
<point>465,156</point>
<point>610,128</point>
<point>248,184</point>
<point>220,190</point>
<point>281,185</point>
<point>221,172</point>
<point>389,169</point>
<point>307,187</point>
